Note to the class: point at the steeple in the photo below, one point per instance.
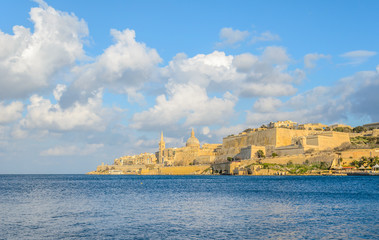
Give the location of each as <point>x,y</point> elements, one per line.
<point>161,143</point>
<point>161,149</point>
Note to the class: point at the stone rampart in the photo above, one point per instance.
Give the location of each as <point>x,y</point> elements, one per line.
<point>183,170</point>
<point>356,154</point>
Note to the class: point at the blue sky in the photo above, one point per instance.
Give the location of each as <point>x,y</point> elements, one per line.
<point>83,83</point>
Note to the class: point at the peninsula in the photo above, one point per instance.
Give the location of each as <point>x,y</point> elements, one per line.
<point>280,148</point>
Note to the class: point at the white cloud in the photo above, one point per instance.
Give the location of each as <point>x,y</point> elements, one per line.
<point>246,74</point>
<point>321,104</point>
<point>19,133</point>
<point>29,61</point>
<point>190,80</point>
<point>205,130</point>
<point>266,90</point>
<point>275,55</point>
<point>42,114</point>
<point>72,150</point>
<point>225,131</point>
<point>201,69</point>
<point>265,37</point>
<point>123,67</point>
<point>58,91</point>
<point>188,103</point>
<point>245,62</point>
<point>363,94</point>
<point>267,104</point>
<point>230,37</point>
<point>358,57</point>
<point>354,95</point>
<point>311,58</point>
<point>11,112</point>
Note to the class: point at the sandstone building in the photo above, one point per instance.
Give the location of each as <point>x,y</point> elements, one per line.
<point>286,124</point>
<point>283,139</point>
<point>191,154</point>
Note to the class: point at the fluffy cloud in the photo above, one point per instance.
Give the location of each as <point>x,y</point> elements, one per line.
<point>29,61</point>
<point>321,104</point>
<point>311,58</point>
<point>245,62</point>
<point>42,114</point>
<point>265,37</point>
<point>246,74</point>
<point>10,112</point>
<point>190,80</point>
<point>267,90</point>
<point>201,69</point>
<point>363,94</point>
<point>275,55</point>
<point>267,104</point>
<point>205,130</point>
<point>72,150</point>
<point>358,57</point>
<point>123,67</point>
<point>229,37</point>
<point>188,103</point>
<point>355,95</point>
<point>268,76</point>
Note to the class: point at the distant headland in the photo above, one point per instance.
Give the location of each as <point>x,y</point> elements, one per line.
<point>280,148</point>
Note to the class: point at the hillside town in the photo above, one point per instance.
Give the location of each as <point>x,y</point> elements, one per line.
<point>278,148</point>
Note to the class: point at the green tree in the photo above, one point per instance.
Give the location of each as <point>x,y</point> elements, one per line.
<point>359,129</point>
<point>324,166</point>
<point>260,154</point>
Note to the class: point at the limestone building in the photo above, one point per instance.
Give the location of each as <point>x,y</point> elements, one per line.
<point>281,141</point>
<point>191,154</point>
<point>282,124</point>
<point>337,125</point>
<point>143,158</point>
<point>313,126</point>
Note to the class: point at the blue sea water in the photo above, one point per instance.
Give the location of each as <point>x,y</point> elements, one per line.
<point>188,207</point>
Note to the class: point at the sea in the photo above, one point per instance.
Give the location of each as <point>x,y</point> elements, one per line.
<point>188,207</point>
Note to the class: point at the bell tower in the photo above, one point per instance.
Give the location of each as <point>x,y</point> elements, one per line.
<point>161,149</point>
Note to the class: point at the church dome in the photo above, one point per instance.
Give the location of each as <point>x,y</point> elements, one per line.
<point>193,141</point>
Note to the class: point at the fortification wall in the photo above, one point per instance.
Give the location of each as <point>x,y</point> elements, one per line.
<point>276,137</point>
<point>185,156</point>
<point>284,136</point>
<point>356,154</point>
<point>205,159</point>
<point>183,170</point>
<point>250,152</point>
<point>327,140</point>
<point>296,159</point>
<point>259,138</point>
<point>289,150</point>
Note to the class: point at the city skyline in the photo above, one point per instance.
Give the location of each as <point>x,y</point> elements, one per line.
<point>83,84</point>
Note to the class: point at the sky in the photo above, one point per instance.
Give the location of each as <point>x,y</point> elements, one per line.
<point>83,83</point>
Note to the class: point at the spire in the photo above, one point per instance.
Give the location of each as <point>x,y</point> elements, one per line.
<point>162,136</point>
<point>192,133</point>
